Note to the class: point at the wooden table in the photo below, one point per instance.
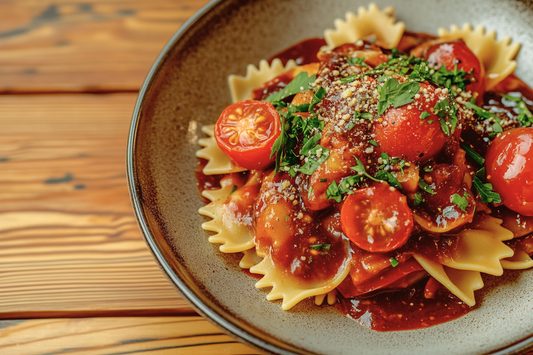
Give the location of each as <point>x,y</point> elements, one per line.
<point>75,274</point>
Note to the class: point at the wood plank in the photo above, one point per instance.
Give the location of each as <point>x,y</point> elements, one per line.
<point>99,336</point>
<point>79,45</point>
<point>68,239</point>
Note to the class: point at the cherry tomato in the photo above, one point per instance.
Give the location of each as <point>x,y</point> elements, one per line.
<point>246,132</point>
<point>377,218</point>
<point>402,133</point>
<point>509,164</point>
<point>456,52</point>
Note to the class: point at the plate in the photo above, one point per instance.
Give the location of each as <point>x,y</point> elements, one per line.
<point>187,88</point>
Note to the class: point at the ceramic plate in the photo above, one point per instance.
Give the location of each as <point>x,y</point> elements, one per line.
<point>186,89</point>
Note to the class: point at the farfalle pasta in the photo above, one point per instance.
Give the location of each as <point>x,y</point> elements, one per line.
<point>382,166</point>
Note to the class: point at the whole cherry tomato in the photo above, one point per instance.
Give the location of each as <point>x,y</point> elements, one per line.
<point>457,53</point>
<point>246,132</point>
<point>377,218</point>
<point>408,132</point>
<point>509,164</point>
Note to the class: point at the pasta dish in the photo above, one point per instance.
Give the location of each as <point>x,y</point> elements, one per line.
<point>377,170</point>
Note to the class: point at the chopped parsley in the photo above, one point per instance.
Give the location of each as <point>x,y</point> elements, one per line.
<point>394,262</point>
<point>525,117</point>
<point>366,115</point>
<point>359,168</point>
<point>485,189</point>
<point>484,114</point>
<point>396,94</point>
<point>422,184</point>
<point>447,108</point>
<point>425,115</point>
<point>333,192</point>
<point>473,154</point>
<point>298,84</point>
<point>384,175</point>
<point>374,143</point>
<point>418,199</point>
<point>293,126</point>
<point>460,201</point>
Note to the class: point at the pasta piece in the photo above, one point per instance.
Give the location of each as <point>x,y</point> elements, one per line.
<point>217,161</point>
<point>520,260</point>
<point>462,283</point>
<point>331,298</point>
<point>496,56</point>
<point>482,249</point>
<point>249,259</point>
<point>292,290</point>
<point>241,87</point>
<point>234,236</point>
<point>371,24</point>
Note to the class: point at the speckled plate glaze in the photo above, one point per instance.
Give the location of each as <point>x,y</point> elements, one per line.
<point>186,88</point>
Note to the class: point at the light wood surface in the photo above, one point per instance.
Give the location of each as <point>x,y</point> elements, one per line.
<point>99,336</point>
<point>68,237</point>
<point>75,273</point>
<point>84,45</point>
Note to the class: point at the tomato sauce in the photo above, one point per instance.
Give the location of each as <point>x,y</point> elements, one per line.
<point>404,310</point>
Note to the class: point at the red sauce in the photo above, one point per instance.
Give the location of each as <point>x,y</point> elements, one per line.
<point>304,52</point>
<point>404,310</point>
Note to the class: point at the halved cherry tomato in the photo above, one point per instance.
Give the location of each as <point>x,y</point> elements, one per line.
<point>246,132</point>
<point>402,133</point>
<point>509,164</point>
<point>457,53</point>
<point>377,218</point>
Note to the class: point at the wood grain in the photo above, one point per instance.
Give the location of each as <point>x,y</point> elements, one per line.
<point>81,45</point>
<point>68,239</point>
<point>99,336</point>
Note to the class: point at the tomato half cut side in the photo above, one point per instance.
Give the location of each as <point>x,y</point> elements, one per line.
<point>377,218</point>
<point>246,132</point>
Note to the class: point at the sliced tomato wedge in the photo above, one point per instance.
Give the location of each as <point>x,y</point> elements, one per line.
<point>377,218</point>
<point>246,132</point>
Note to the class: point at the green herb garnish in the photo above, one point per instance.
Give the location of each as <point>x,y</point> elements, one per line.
<point>422,184</point>
<point>460,201</point>
<point>298,84</point>
<point>333,192</point>
<point>425,115</point>
<point>485,189</point>
<point>473,154</point>
<point>418,199</point>
<point>394,262</point>
<point>396,94</point>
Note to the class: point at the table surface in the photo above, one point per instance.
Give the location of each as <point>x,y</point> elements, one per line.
<point>75,274</point>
